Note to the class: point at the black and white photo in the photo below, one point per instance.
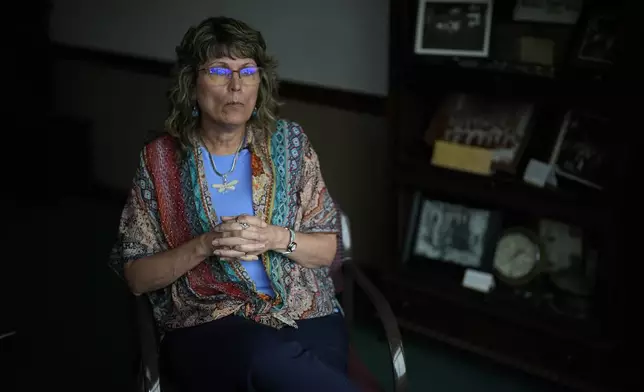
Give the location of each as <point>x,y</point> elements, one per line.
<point>584,155</point>
<point>453,28</point>
<point>451,232</point>
<point>599,39</point>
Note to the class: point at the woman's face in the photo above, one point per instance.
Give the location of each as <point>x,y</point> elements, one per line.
<point>224,97</point>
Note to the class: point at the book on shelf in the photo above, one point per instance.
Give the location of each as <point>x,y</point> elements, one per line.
<point>479,134</point>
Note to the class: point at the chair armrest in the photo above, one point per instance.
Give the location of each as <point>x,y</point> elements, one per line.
<point>394,339</point>
<point>148,374</point>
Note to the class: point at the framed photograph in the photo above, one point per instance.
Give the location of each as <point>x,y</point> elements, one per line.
<point>453,28</point>
<point>502,127</point>
<point>450,233</point>
<point>582,152</point>
<point>563,244</point>
<point>600,35</point>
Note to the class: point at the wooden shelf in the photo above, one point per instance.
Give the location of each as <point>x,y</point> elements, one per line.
<point>567,356</point>
<point>443,283</point>
<point>522,352</point>
<point>581,83</point>
<point>507,193</point>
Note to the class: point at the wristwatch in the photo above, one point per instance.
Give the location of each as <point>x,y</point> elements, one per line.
<point>292,245</point>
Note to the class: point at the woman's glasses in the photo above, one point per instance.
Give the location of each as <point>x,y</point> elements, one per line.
<point>249,76</point>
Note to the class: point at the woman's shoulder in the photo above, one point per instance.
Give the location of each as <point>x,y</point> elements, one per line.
<point>156,137</point>
<point>160,148</point>
<point>289,129</point>
<point>161,140</point>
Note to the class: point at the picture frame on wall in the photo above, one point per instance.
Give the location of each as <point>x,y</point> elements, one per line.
<point>451,233</point>
<point>453,28</point>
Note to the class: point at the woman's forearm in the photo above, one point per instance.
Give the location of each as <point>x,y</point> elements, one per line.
<point>160,270</point>
<point>314,250</point>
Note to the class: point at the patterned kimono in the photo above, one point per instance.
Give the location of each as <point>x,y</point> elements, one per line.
<point>170,203</point>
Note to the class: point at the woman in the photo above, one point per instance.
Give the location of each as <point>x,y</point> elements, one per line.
<point>230,230</point>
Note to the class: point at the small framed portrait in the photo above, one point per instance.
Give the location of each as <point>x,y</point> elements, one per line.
<point>453,28</point>
<point>600,35</point>
<point>450,232</point>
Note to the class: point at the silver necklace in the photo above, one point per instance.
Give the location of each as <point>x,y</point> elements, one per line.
<point>225,186</point>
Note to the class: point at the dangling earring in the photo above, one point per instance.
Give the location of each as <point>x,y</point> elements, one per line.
<point>195,111</point>
<point>255,112</point>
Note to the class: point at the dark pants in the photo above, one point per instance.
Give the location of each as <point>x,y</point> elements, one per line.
<point>236,354</point>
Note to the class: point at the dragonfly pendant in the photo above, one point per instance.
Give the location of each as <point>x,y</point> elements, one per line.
<point>226,186</point>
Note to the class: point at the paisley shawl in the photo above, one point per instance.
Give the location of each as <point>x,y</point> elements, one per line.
<point>169,204</point>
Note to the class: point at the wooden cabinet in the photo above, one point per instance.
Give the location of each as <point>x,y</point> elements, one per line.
<point>506,324</point>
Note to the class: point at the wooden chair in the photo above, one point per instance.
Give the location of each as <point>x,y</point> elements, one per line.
<point>346,275</point>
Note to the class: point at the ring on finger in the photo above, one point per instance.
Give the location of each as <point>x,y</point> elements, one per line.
<point>244,225</point>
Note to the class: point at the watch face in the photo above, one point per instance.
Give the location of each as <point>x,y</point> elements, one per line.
<point>516,255</point>
<point>291,247</point>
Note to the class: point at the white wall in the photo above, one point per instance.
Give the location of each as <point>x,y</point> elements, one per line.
<point>336,43</point>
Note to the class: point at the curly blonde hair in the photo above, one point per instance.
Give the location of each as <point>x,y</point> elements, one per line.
<point>213,38</point>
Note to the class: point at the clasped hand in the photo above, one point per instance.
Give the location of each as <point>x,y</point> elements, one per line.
<point>243,237</point>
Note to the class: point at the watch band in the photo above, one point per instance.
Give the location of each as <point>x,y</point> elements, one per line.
<point>292,245</point>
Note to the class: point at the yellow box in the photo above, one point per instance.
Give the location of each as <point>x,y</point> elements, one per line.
<point>461,157</point>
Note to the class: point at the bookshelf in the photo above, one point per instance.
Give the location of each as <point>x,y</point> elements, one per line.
<point>520,326</point>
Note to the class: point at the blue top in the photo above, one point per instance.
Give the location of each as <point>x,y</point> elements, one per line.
<point>236,202</point>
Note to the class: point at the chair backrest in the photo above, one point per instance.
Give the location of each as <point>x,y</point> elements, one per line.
<point>343,253</point>
<point>346,237</point>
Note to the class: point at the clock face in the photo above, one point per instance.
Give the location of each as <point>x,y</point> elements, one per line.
<point>516,255</point>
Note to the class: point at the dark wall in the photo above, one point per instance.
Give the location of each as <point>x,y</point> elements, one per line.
<point>27,93</point>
